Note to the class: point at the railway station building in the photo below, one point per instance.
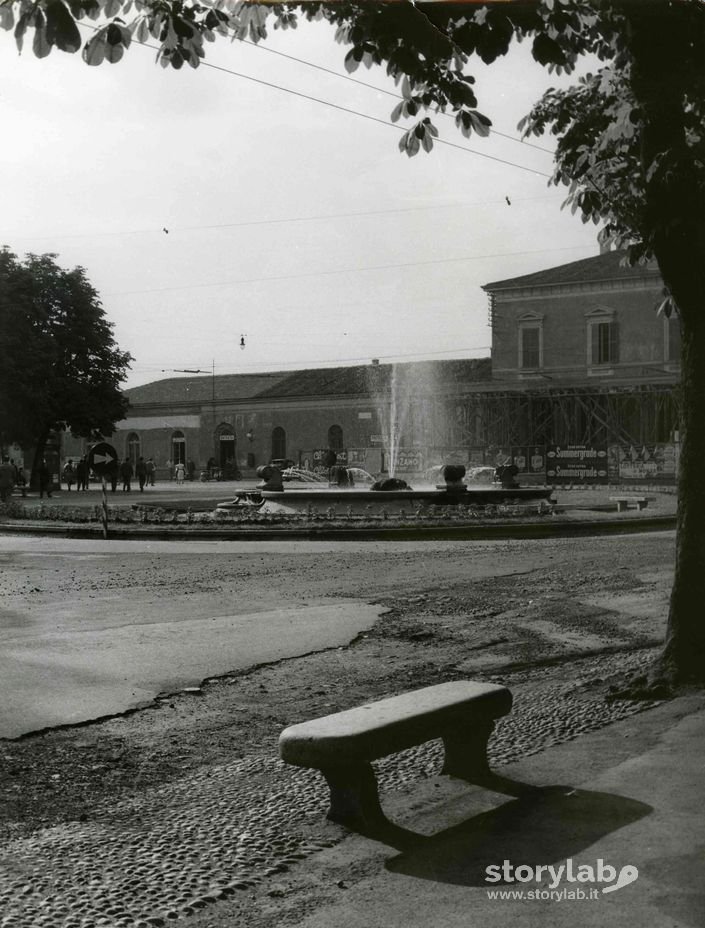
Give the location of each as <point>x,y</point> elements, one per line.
<point>581,386</point>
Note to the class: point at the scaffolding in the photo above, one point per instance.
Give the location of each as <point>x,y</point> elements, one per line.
<point>644,414</point>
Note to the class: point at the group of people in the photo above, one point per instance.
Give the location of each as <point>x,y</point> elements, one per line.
<point>78,474</point>
<point>145,471</point>
<point>11,476</point>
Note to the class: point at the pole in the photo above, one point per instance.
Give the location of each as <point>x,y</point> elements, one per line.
<point>105,507</point>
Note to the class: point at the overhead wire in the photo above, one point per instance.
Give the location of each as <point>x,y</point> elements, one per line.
<point>341,108</point>
<point>389,93</point>
<point>287,219</point>
<point>325,363</point>
<point>347,270</point>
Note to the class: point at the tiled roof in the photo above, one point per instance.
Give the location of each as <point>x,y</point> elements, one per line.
<point>200,389</point>
<point>336,381</point>
<point>327,381</point>
<point>602,267</point>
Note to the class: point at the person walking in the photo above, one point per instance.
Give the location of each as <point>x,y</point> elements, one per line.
<point>44,475</point>
<point>7,479</point>
<point>22,480</point>
<point>141,473</point>
<point>69,475</point>
<point>82,474</point>
<point>179,472</point>
<point>127,472</point>
<point>190,469</point>
<point>150,467</point>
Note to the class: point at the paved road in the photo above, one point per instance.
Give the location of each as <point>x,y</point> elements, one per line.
<point>79,642</point>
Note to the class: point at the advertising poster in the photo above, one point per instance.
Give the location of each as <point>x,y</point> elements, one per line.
<point>576,464</point>
<point>644,463</point>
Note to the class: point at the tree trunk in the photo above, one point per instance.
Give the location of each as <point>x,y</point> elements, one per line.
<point>683,658</point>
<point>665,42</point>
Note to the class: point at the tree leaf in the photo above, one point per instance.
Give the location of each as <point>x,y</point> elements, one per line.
<point>41,46</point>
<point>21,28</point>
<point>94,50</point>
<point>62,31</point>
<point>7,17</point>
<point>351,62</point>
<point>397,111</point>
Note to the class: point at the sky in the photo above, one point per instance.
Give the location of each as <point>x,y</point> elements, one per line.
<point>293,224</point>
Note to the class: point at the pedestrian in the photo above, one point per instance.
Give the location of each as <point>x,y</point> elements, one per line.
<point>127,472</point>
<point>150,472</point>
<point>7,479</point>
<point>82,474</point>
<point>22,480</point>
<point>190,469</point>
<point>112,475</point>
<point>179,472</point>
<point>44,475</point>
<point>141,472</point>
<point>69,475</point>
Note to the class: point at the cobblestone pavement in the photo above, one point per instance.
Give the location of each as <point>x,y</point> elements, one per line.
<point>159,857</point>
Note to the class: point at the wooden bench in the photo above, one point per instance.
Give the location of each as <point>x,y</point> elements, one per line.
<point>343,745</point>
<point>624,501</point>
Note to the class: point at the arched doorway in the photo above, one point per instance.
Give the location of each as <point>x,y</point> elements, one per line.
<point>178,448</point>
<point>225,446</point>
<point>278,444</point>
<point>335,438</point>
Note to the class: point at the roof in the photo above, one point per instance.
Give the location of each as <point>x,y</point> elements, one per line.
<point>327,381</point>
<point>604,267</point>
<point>337,381</point>
<point>201,389</point>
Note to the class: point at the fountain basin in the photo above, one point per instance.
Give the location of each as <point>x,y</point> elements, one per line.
<point>362,501</point>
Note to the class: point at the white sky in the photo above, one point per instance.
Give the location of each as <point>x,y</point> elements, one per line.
<point>95,162</point>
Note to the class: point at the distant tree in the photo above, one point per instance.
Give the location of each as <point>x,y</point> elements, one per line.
<point>59,365</point>
<point>631,146</point>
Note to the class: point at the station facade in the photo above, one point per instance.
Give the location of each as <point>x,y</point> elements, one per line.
<point>581,387</point>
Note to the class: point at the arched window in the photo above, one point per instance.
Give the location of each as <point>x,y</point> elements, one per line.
<point>278,443</point>
<point>133,447</point>
<point>335,438</point>
<point>178,448</point>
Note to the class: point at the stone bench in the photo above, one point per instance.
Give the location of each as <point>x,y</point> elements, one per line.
<point>624,501</point>
<point>343,745</point>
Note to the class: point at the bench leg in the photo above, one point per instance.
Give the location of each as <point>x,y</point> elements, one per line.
<point>354,800</point>
<point>621,505</point>
<point>466,753</point>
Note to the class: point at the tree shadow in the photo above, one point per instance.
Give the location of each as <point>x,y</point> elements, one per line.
<point>541,825</point>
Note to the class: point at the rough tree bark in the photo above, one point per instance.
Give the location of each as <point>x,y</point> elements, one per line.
<point>663,45</point>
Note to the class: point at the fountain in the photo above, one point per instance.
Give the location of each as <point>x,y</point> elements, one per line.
<point>389,492</point>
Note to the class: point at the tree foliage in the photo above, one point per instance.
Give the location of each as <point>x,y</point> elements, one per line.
<point>59,365</point>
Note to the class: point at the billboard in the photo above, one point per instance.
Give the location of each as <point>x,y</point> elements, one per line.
<point>576,464</point>
<point>647,463</point>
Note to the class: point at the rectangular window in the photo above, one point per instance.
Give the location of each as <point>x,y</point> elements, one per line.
<point>529,347</point>
<point>603,343</point>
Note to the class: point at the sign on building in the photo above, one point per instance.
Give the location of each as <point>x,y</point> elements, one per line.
<point>647,463</point>
<point>409,462</point>
<point>576,464</point>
